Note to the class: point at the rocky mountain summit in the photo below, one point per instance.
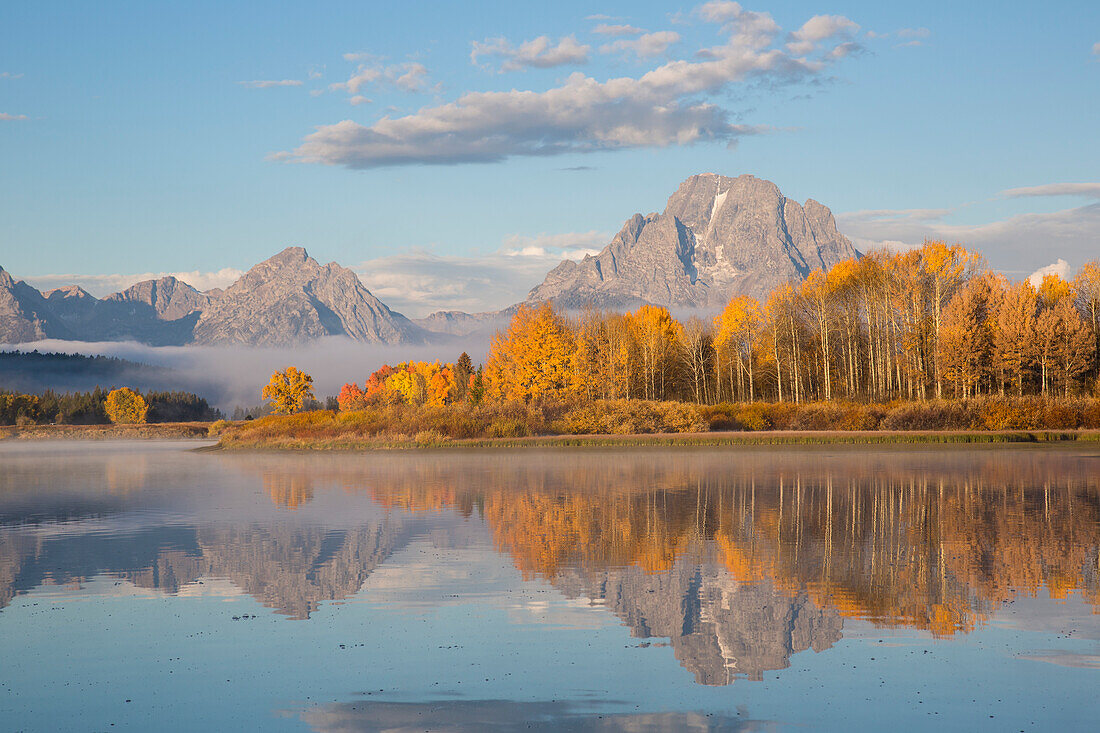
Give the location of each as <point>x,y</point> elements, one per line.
<point>718,627</point>
<point>286,300</point>
<point>718,237</point>
<point>291,298</point>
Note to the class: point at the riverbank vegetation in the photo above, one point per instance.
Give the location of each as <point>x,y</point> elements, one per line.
<point>93,408</point>
<point>919,340</point>
<point>925,324</point>
<point>398,424</point>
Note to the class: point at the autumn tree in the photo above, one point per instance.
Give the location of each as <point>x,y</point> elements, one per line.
<point>1014,333</point>
<point>1067,347</point>
<point>124,405</point>
<point>657,336</point>
<point>947,267</point>
<point>966,339</point>
<point>816,296</point>
<point>697,359</point>
<point>737,332</point>
<point>533,358</point>
<point>351,398</point>
<point>1086,286</point>
<point>288,390</point>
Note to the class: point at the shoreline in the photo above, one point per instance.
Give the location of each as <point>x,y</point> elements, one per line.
<point>707,439</point>
<point>715,439</point>
<point>147,431</point>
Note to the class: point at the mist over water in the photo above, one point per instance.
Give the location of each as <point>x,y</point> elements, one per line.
<point>231,376</point>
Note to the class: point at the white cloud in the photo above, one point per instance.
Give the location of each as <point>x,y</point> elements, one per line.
<point>359,99</point>
<point>539,53</point>
<point>421,282</point>
<point>1017,244</point>
<point>665,106</point>
<point>914,33</point>
<point>410,76</point>
<point>5,117</point>
<point>1091,190</point>
<point>605,29</point>
<point>101,285</point>
<point>645,46</point>
<point>1095,50</point>
<point>746,28</point>
<point>1060,268</point>
<point>719,11</point>
<point>267,84</point>
<point>11,75</point>
<point>569,245</point>
<point>820,28</point>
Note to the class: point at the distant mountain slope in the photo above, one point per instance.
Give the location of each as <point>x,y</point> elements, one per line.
<point>286,300</point>
<point>166,299</point>
<point>291,298</point>
<point>25,314</point>
<point>459,323</point>
<point>718,237</point>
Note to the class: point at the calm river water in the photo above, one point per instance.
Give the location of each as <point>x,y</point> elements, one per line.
<point>146,586</point>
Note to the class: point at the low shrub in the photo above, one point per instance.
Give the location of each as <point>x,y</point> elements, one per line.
<point>433,425</point>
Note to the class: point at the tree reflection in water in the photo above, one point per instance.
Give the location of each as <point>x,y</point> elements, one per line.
<point>740,557</point>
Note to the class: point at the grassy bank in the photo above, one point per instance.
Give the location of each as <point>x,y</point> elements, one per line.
<point>683,439</point>
<point>152,431</point>
<point>637,422</point>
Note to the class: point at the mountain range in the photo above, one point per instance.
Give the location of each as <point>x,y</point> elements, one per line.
<point>718,237</point>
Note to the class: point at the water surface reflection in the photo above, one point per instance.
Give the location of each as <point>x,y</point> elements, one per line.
<point>737,559</point>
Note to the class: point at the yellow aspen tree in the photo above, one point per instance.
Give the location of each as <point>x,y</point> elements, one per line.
<point>817,295</point>
<point>657,335</point>
<point>947,268</point>
<point>1013,333</point>
<point>737,331</point>
<point>288,390</point>
<point>124,405</point>
<point>1074,350</point>
<point>1087,288</point>
<point>966,339</point>
<point>533,358</point>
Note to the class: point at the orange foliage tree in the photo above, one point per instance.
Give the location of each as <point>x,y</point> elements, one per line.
<point>534,358</point>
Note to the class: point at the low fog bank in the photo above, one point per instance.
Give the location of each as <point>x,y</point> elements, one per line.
<point>234,376</point>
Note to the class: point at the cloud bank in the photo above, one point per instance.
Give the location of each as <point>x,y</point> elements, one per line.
<point>1016,245</point>
<point>1091,190</point>
<point>420,282</point>
<point>672,104</point>
<point>101,285</point>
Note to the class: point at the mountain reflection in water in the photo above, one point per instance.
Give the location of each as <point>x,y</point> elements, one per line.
<point>739,557</point>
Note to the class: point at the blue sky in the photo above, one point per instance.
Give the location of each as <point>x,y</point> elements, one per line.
<point>200,138</point>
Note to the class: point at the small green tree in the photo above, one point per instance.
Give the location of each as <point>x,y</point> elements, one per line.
<point>288,390</point>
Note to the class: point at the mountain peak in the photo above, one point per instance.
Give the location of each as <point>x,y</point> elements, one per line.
<point>718,237</point>
<point>289,256</point>
<point>69,291</point>
<point>290,298</point>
